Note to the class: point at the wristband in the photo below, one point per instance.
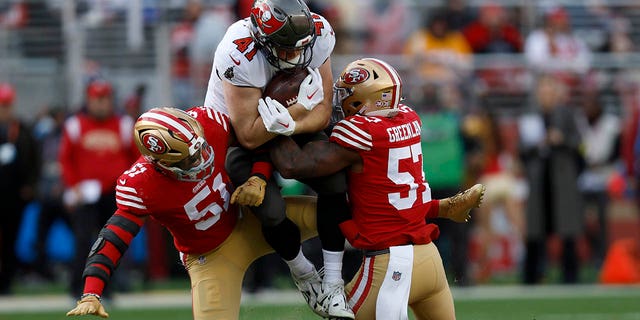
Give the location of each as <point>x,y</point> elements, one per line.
<point>91,295</point>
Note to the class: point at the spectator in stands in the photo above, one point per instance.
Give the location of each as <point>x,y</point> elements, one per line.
<point>18,176</point>
<point>208,30</point>
<point>134,103</point>
<point>96,147</point>
<point>439,53</point>
<point>600,131</point>
<point>48,132</point>
<point>494,165</point>
<point>492,32</point>
<point>555,48</point>
<point>449,150</point>
<point>14,15</point>
<point>549,151</point>
<point>618,38</point>
<point>458,14</point>
<point>391,19</point>
<point>181,39</point>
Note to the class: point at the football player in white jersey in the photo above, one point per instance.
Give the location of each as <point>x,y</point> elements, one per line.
<point>283,35</point>
<point>379,142</point>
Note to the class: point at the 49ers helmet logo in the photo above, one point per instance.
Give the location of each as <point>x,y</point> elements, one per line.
<point>355,76</point>
<point>153,143</point>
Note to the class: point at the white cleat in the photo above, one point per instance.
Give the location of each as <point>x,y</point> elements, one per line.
<point>333,302</point>
<point>310,285</point>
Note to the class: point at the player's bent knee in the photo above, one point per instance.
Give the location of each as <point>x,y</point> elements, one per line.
<point>211,300</point>
<point>302,211</point>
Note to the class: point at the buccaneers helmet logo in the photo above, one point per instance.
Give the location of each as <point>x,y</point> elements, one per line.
<point>266,20</point>
<point>154,144</point>
<point>355,76</point>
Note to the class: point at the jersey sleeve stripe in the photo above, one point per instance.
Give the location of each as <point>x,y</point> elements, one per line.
<point>355,129</point>
<point>349,141</point>
<point>130,204</point>
<point>350,134</point>
<point>126,189</point>
<point>129,197</point>
<point>219,117</point>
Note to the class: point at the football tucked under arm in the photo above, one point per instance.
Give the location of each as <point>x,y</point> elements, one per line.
<point>284,86</point>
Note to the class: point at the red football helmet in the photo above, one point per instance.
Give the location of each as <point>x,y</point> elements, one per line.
<point>174,141</point>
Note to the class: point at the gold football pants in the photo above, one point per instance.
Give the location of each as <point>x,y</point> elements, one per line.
<point>429,298</point>
<point>216,277</point>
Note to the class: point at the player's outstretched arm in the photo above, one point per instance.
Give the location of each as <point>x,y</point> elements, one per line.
<point>89,304</point>
<point>315,159</point>
<point>113,241</point>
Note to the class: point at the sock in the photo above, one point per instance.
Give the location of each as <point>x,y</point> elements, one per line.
<point>300,265</point>
<point>332,266</point>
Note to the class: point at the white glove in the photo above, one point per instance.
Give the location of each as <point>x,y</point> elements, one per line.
<point>275,117</point>
<point>310,92</point>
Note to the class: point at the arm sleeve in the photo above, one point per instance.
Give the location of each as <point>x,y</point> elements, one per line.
<point>113,241</point>
<point>262,165</point>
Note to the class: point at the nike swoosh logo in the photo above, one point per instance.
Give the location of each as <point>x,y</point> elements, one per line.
<point>122,181</point>
<point>237,62</point>
<point>283,124</point>
<point>312,94</point>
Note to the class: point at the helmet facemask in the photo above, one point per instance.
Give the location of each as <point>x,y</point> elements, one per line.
<point>198,166</point>
<point>174,142</point>
<point>284,32</point>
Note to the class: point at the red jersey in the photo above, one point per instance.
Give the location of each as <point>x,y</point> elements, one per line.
<point>92,149</point>
<point>197,214</point>
<point>390,197</point>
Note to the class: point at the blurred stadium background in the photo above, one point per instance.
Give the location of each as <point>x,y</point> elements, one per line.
<point>50,49</point>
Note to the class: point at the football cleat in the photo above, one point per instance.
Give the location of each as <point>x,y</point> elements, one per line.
<point>310,286</point>
<point>333,302</point>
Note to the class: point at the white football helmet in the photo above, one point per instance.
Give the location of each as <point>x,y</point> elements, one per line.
<point>174,142</point>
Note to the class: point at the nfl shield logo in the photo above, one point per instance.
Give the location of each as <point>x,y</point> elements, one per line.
<point>396,275</point>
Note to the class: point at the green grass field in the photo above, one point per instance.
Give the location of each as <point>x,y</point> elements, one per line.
<point>527,303</point>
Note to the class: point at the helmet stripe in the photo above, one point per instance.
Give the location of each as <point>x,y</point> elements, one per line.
<point>169,121</point>
<point>394,77</point>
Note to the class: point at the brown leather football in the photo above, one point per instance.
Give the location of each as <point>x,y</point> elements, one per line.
<point>284,86</point>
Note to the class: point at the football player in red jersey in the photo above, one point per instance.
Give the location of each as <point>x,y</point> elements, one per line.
<point>379,141</point>
<point>180,181</point>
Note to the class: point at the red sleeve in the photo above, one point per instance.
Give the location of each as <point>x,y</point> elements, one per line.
<point>262,163</point>
<point>434,209</point>
<point>119,231</point>
<point>512,36</point>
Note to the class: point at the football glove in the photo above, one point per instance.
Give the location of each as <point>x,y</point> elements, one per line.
<point>89,304</point>
<point>458,207</point>
<point>310,92</point>
<point>275,117</point>
<point>250,193</point>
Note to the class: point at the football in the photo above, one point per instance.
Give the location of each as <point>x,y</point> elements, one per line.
<point>284,86</point>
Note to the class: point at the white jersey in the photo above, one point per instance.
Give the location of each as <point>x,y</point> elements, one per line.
<point>238,61</point>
